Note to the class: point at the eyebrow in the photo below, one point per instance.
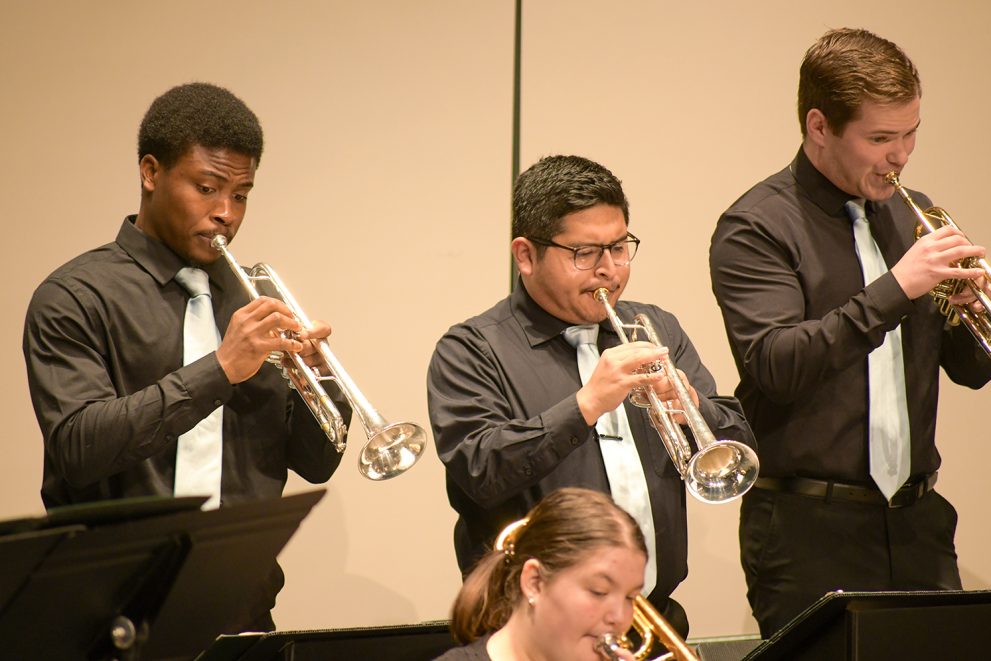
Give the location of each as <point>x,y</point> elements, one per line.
<point>207,172</point>
<point>603,245</point>
<point>611,580</point>
<point>881,132</point>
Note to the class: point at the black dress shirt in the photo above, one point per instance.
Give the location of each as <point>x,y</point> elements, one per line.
<point>103,346</point>
<point>801,323</point>
<point>501,392</point>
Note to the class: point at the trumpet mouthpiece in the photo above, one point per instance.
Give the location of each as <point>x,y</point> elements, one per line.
<point>601,293</point>
<point>891,178</point>
<point>219,241</point>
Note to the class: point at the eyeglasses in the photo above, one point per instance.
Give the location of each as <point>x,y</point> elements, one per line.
<point>587,257</point>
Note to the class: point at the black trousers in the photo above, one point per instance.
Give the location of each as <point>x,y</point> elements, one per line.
<point>796,548</point>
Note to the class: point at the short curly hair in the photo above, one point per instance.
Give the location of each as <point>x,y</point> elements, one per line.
<point>198,114</point>
<point>556,186</point>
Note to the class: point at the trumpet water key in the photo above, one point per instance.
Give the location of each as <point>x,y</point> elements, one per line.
<point>930,220</point>
<point>721,470</point>
<point>391,448</point>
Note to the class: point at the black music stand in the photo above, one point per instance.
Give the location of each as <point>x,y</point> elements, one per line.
<point>885,625</point>
<point>411,642</point>
<point>136,578</point>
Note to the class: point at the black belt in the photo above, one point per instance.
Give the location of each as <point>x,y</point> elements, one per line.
<point>912,491</point>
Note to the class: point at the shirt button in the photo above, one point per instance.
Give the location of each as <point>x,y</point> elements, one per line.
<point>528,470</point>
<point>575,440</point>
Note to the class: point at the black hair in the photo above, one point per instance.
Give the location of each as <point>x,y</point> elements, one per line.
<point>198,114</point>
<point>556,186</point>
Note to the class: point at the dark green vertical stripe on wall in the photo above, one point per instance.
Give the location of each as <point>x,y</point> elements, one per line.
<point>517,48</point>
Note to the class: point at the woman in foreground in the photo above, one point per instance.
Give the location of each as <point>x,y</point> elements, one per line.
<point>556,582</point>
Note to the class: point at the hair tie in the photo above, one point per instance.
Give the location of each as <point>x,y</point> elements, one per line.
<point>506,541</point>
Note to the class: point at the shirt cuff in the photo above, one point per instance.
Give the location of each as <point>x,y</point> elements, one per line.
<point>565,427</point>
<point>889,299</point>
<point>206,383</point>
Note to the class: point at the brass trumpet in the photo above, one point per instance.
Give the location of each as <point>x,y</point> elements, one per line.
<point>652,628</point>
<point>721,470</point>
<point>391,448</point>
<point>930,220</point>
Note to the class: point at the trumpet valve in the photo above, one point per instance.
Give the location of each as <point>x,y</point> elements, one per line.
<point>651,367</point>
<point>640,398</point>
<point>639,395</point>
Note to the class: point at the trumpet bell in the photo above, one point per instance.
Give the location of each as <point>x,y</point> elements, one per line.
<point>721,472</point>
<point>392,451</point>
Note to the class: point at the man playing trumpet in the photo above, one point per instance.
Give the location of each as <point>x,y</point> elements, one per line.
<point>521,404</point>
<point>824,291</point>
<point>146,362</point>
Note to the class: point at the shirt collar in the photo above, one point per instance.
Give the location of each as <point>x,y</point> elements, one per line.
<point>821,190</point>
<point>160,262</point>
<point>538,325</point>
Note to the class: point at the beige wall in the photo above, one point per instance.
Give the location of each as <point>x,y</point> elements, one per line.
<point>383,200</point>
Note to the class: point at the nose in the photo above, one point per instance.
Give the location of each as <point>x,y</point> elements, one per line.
<point>223,213</point>
<point>605,267</point>
<point>618,615</point>
<point>900,150</point>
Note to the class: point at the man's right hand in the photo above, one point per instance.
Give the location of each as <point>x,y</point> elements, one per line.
<point>928,261</point>
<point>614,377</point>
<point>253,333</point>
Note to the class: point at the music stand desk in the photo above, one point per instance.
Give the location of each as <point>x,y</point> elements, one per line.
<point>885,625</point>
<point>180,578</point>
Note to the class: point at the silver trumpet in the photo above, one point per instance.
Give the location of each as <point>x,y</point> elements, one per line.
<point>721,470</point>
<point>391,448</point>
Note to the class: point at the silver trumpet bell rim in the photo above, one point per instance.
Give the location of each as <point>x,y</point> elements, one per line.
<point>721,472</point>
<point>392,451</point>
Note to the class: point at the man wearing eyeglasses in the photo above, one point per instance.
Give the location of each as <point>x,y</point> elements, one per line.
<point>513,418</point>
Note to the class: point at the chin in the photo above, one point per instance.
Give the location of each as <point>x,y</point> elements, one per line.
<point>202,260</point>
<point>876,193</point>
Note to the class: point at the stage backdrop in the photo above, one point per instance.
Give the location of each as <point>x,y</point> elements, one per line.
<point>383,200</point>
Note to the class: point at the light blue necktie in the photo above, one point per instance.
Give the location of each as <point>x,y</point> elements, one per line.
<point>619,453</point>
<point>890,437</point>
<point>199,454</point>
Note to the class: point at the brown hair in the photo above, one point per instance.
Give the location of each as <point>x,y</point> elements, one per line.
<point>846,67</point>
<point>562,530</point>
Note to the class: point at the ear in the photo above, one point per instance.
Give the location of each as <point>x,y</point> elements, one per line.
<point>531,580</point>
<point>525,255</point>
<point>816,127</point>
<point>149,169</point>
